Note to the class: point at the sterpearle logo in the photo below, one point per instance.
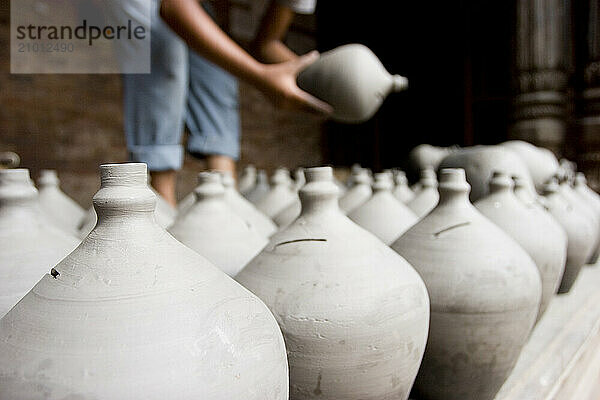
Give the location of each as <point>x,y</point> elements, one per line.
<point>81,36</point>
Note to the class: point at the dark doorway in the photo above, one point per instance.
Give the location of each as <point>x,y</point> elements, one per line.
<point>458,58</point>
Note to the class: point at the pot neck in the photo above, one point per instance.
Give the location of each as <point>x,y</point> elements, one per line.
<point>428,179</point>
<point>48,179</point>
<point>501,184</point>
<point>210,186</point>
<point>320,194</point>
<point>383,183</point>
<point>400,179</point>
<point>454,189</point>
<point>17,189</point>
<point>580,180</point>
<point>124,194</point>
<point>281,178</point>
<point>361,177</point>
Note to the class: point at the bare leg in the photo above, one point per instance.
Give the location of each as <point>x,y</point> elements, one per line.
<point>164,183</point>
<point>221,163</point>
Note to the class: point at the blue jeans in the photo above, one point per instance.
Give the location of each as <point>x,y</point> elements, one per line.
<point>181,87</point>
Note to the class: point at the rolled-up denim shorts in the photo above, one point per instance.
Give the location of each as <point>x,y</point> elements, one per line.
<point>182,87</point>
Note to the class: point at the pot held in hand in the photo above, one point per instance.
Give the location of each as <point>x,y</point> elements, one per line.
<point>352,80</point>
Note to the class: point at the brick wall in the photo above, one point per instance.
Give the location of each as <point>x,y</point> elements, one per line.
<point>73,123</point>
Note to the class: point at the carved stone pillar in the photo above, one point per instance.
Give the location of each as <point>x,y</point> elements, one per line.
<point>542,64</point>
<point>588,154</point>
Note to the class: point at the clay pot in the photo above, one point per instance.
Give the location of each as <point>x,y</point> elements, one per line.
<point>479,162</point>
<point>279,196</point>
<point>359,192</point>
<point>402,192</point>
<point>426,198</point>
<point>592,199</point>
<point>581,233</point>
<point>242,207</point>
<point>541,163</point>
<point>164,214</point>
<point>186,202</point>
<point>344,301</point>
<point>536,231</point>
<point>352,80</point>
<point>247,179</point>
<point>59,208</point>
<point>485,295</point>
<point>132,313</point>
<point>383,215</point>
<point>29,243</point>
<point>260,189</point>
<point>214,230</point>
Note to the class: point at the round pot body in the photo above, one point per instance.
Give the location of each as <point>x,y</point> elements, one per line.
<point>352,80</point>
<point>426,196</point>
<point>214,230</point>
<point>485,295</point>
<point>541,163</point>
<point>132,313</point>
<point>242,207</point>
<point>592,199</point>
<point>580,233</point>
<point>279,196</point>
<point>59,208</point>
<point>29,243</point>
<point>383,215</point>
<point>584,209</point>
<point>536,231</point>
<point>354,314</point>
<point>479,163</point>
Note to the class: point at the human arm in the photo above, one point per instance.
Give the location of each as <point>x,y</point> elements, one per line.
<point>278,81</point>
<point>268,44</point>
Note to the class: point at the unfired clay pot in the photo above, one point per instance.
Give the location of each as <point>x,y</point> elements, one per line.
<point>214,230</point>
<point>260,189</point>
<point>134,314</point>
<point>426,198</point>
<point>352,80</point>
<point>186,202</point>
<point>8,159</point>
<point>247,179</point>
<point>29,243</point>
<point>354,314</point>
<point>401,191</point>
<point>479,162</point>
<point>592,199</point>
<point>59,208</point>
<point>581,233</point>
<point>288,214</point>
<point>541,163</point>
<point>537,233</point>
<point>279,196</point>
<point>359,192</point>
<point>383,215</point>
<point>242,207</point>
<point>485,295</point>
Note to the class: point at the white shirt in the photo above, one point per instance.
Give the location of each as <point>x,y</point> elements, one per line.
<point>300,6</point>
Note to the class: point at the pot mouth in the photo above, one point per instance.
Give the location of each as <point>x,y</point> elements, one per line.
<point>125,174</point>
<point>318,174</point>
<point>454,179</point>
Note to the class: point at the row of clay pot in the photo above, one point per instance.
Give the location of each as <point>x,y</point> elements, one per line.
<point>336,291</point>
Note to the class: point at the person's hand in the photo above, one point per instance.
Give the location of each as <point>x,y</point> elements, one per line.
<point>278,82</point>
